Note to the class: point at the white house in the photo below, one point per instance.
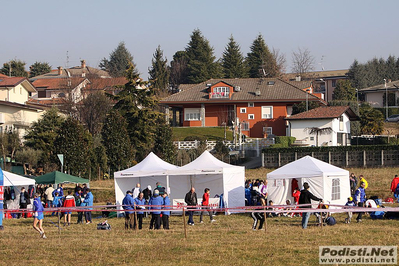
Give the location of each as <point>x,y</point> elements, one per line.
<point>375,95</point>
<point>336,118</point>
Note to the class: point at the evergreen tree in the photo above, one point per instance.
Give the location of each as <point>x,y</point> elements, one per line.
<point>233,61</point>
<point>391,70</point>
<point>260,58</point>
<point>119,61</point>
<point>371,120</point>
<point>178,69</point>
<point>163,145</point>
<point>39,68</point>
<point>75,143</point>
<point>201,64</point>
<point>344,91</point>
<point>116,141</point>
<point>17,69</point>
<point>42,135</point>
<point>159,72</point>
<point>301,107</point>
<point>356,75</point>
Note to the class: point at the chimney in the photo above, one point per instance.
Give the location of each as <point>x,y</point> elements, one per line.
<point>298,78</point>
<point>83,63</point>
<point>60,70</point>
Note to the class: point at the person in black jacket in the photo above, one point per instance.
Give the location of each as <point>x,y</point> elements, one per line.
<point>23,202</point>
<point>191,200</point>
<point>305,198</point>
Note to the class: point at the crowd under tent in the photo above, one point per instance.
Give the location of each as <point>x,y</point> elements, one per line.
<point>17,182</point>
<point>326,181</point>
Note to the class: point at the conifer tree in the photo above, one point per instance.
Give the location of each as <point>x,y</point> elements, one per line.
<point>119,61</point>
<point>17,69</point>
<point>39,68</point>
<point>159,72</point>
<point>260,58</point>
<point>233,61</point>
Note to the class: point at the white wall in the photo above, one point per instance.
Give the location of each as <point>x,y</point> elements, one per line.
<point>375,98</point>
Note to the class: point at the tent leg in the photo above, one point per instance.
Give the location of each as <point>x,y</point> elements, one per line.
<point>184,222</point>
<point>59,222</point>
<point>265,217</point>
<point>135,221</point>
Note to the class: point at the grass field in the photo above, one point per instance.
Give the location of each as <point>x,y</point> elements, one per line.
<point>229,240</point>
<point>206,133</point>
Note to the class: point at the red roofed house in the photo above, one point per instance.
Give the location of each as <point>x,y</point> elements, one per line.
<point>259,106</point>
<point>335,117</point>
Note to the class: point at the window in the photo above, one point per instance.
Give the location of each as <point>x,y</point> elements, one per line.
<point>311,138</point>
<point>251,104</point>
<point>243,110</point>
<point>41,94</point>
<point>20,90</point>
<point>334,83</point>
<point>192,114</point>
<point>289,111</point>
<point>268,131</point>
<point>267,112</point>
<point>251,116</point>
<point>336,191</point>
<point>341,123</point>
<point>245,126</point>
<point>220,92</point>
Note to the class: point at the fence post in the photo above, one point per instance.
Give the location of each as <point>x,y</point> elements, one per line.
<point>263,159</point>
<point>364,158</point>
<point>329,157</point>
<point>382,157</point>
<point>312,154</point>
<point>279,159</point>
<point>296,156</point>
<point>347,158</point>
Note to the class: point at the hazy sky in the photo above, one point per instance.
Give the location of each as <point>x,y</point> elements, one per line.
<point>341,31</point>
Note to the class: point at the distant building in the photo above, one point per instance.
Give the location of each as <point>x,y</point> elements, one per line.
<point>375,95</point>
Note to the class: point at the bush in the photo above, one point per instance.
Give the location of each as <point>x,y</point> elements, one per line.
<point>284,141</point>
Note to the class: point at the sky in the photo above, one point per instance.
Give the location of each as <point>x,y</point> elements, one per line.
<point>64,32</point>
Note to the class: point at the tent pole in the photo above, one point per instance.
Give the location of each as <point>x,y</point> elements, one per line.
<point>59,223</point>
<point>265,217</point>
<point>184,223</point>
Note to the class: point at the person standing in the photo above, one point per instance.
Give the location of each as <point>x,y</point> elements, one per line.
<point>88,202</point>
<point>136,191</point>
<point>38,215</point>
<point>69,202</point>
<point>353,183</point>
<point>191,201</point>
<point>362,179</point>
<point>78,203</point>
<point>160,188</point>
<point>49,196</point>
<point>263,190</point>
<point>360,198</point>
<point>395,187</point>
<point>205,205</point>
<point>305,198</point>
<point>139,202</point>
<point>258,216</point>
<point>128,205</point>
<point>165,211</point>
<point>23,202</point>
<point>156,203</point>
<point>147,196</point>
<point>349,203</point>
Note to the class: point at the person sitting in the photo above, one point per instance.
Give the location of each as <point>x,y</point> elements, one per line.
<point>273,214</point>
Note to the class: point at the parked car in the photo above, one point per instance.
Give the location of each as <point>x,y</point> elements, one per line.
<point>392,118</point>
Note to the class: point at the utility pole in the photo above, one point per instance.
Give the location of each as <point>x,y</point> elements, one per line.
<point>386,98</point>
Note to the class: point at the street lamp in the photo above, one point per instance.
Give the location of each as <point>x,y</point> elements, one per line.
<point>386,98</point>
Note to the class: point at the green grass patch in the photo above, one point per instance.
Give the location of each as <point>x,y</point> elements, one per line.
<point>202,133</point>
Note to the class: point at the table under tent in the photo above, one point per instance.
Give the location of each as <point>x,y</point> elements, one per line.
<point>326,181</point>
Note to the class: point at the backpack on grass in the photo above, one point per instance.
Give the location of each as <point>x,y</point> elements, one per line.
<point>104,226</point>
<point>330,221</point>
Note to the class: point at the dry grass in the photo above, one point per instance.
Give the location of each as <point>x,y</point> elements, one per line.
<point>228,241</point>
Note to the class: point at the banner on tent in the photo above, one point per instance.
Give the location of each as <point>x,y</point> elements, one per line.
<point>178,203</point>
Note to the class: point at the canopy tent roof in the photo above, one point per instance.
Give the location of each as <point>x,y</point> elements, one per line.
<point>58,177</point>
<point>151,165</point>
<point>304,168</point>
<point>11,179</point>
<point>204,164</point>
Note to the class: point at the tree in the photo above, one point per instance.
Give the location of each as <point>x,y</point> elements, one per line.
<point>178,69</point>
<point>28,156</point>
<point>221,150</point>
<point>163,144</point>
<point>233,62</point>
<point>280,60</point>
<point>17,69</point>
<point>302,61</point>
<point>75,143</point>
<point>116,142</point>
<point>201,64</point>
<point>371,120</point>
<point>319,131</point>
<point>39,68</point>
<point>93,110</point>
<point>159,73</point>
<point>119,61</point>
<point>42,135</point>
<point>260,60</point>
<point>344,91</point>
<point>301,107</point>
<point>356,75</point>
<point>9,143</point>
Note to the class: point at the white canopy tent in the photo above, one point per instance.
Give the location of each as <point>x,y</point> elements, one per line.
<point>208,172</point>
<point>148,172</point>
<point>16,181</point>
<point>326,181</point>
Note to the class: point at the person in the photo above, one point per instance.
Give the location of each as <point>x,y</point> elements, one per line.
<point>263,189</point>
<point>57,202</point>
<point>128,206</point>
<point>160,189</point>
<point>140,204</point>
<point>136,191</point>
<point>78,187</point>
<point>191,201</point>
<point>395,187</point>
<point>60,190</point>
<point>156,204</point>
<point>248,201</point>
<point>349,203</point>
<point>88,202</point>
<point>353,183</point>
<point>258,216</point>
<point>38,215</point>
<point>23,202</point>
<point>49,196</point>
<point>296,195</point>
<point>205,205</point>
<point>362,179</point>
<point>84,189</point>
<point>165,211</point>
<point>360,198</point>
<point>305,198</point>
<point>78,202</point>
<point>69,202</point>
<point>288,214</point>
<point>147,196</point>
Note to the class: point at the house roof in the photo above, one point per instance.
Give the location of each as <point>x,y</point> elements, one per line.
<point>391,86</point>
<point>22,106</point>
<point>15,81</point>
<point>105,83</point>
<point>325,112</point>
<point>77,71</point>
<point>329,74</point>
<point>57,83</point>
<point>46,102</point>
<point>280,91</point>
<point>3,76</point>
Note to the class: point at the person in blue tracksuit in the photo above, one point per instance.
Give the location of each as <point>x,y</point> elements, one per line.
<point>38,215</point>
<point>360,199</point>
<point>128,205</point>
<point>139,203</point>
<point>165,211</point>
<point>57,202</point>
<point>156,203</point>
<point>88,202</point>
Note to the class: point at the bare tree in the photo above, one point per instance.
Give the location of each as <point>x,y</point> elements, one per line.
<point>302,61</point>
<point>319,131</point>
<point>280,60</point>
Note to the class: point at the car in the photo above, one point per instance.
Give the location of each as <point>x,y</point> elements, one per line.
<point>392,118</point>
